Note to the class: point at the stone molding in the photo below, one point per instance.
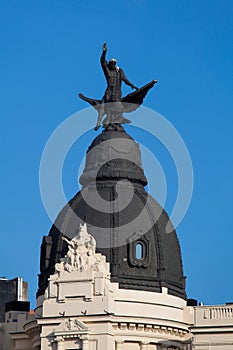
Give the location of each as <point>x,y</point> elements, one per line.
<point>145,327</point>
<point>33,330</point>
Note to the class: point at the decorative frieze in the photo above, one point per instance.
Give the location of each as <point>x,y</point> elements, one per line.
<point>140,327</point>
<point>74,324</point>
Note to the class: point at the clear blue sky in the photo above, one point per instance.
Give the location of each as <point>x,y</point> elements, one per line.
<point>50,51</point>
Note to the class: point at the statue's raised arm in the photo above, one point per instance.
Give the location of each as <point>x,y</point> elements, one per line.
<point>67,241</point>
<point>103,61</point>
<point>112,104</point>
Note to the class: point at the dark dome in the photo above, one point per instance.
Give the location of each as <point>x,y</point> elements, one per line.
<point>113,176</point>
<point>113,155</point>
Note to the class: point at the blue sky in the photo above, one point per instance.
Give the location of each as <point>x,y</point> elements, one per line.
<point>50,51</point>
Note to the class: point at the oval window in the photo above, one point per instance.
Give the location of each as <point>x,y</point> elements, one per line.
<point>139,251</point>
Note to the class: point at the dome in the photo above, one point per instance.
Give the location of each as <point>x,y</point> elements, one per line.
<point>129,226</point>
<point>113,155</point>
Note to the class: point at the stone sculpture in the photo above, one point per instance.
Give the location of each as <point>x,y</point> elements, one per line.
<point>81,252</point>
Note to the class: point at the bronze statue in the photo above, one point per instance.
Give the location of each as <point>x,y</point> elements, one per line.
<point>112,104</point>
<point>114,77</point>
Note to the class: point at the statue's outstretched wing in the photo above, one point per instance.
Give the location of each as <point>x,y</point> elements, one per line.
<point>133,100</point>
<point>113,110</point>
<point>94,103</point>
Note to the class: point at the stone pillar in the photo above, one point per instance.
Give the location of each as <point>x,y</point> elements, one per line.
<point>119,344</point>
<point>85,344</point>
<point>59,342</point>
<point>144,346</point>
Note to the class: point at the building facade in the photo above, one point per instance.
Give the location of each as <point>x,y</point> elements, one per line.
<point>111,278</point>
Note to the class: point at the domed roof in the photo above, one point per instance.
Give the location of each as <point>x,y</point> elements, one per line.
<point>113,155</point>
<point>128,224</point>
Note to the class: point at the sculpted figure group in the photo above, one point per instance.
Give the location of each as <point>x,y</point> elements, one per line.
<point>81,252</point>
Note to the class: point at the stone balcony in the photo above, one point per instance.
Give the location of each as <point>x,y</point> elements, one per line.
<point>220,315</point>
<point>213,327</point>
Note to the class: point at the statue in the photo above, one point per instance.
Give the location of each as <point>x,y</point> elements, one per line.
<point>113,105</point>
<point>81,252</point>
<point>114,77</point>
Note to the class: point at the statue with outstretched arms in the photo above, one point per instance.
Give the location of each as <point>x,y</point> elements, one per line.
<point>112,104</point>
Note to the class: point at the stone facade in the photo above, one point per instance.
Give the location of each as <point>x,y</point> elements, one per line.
<point>213,327</point>
<point>82,309</point>
<point>210,327</point>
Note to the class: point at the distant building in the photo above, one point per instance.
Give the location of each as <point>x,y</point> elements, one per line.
<point>11,290</point>
<point>14,310</point>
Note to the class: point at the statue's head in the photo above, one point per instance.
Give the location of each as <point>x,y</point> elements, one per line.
<point>83,230</point>
<point>112,63</point>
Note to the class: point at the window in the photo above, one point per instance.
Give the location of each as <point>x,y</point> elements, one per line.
<point>139,251</point>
